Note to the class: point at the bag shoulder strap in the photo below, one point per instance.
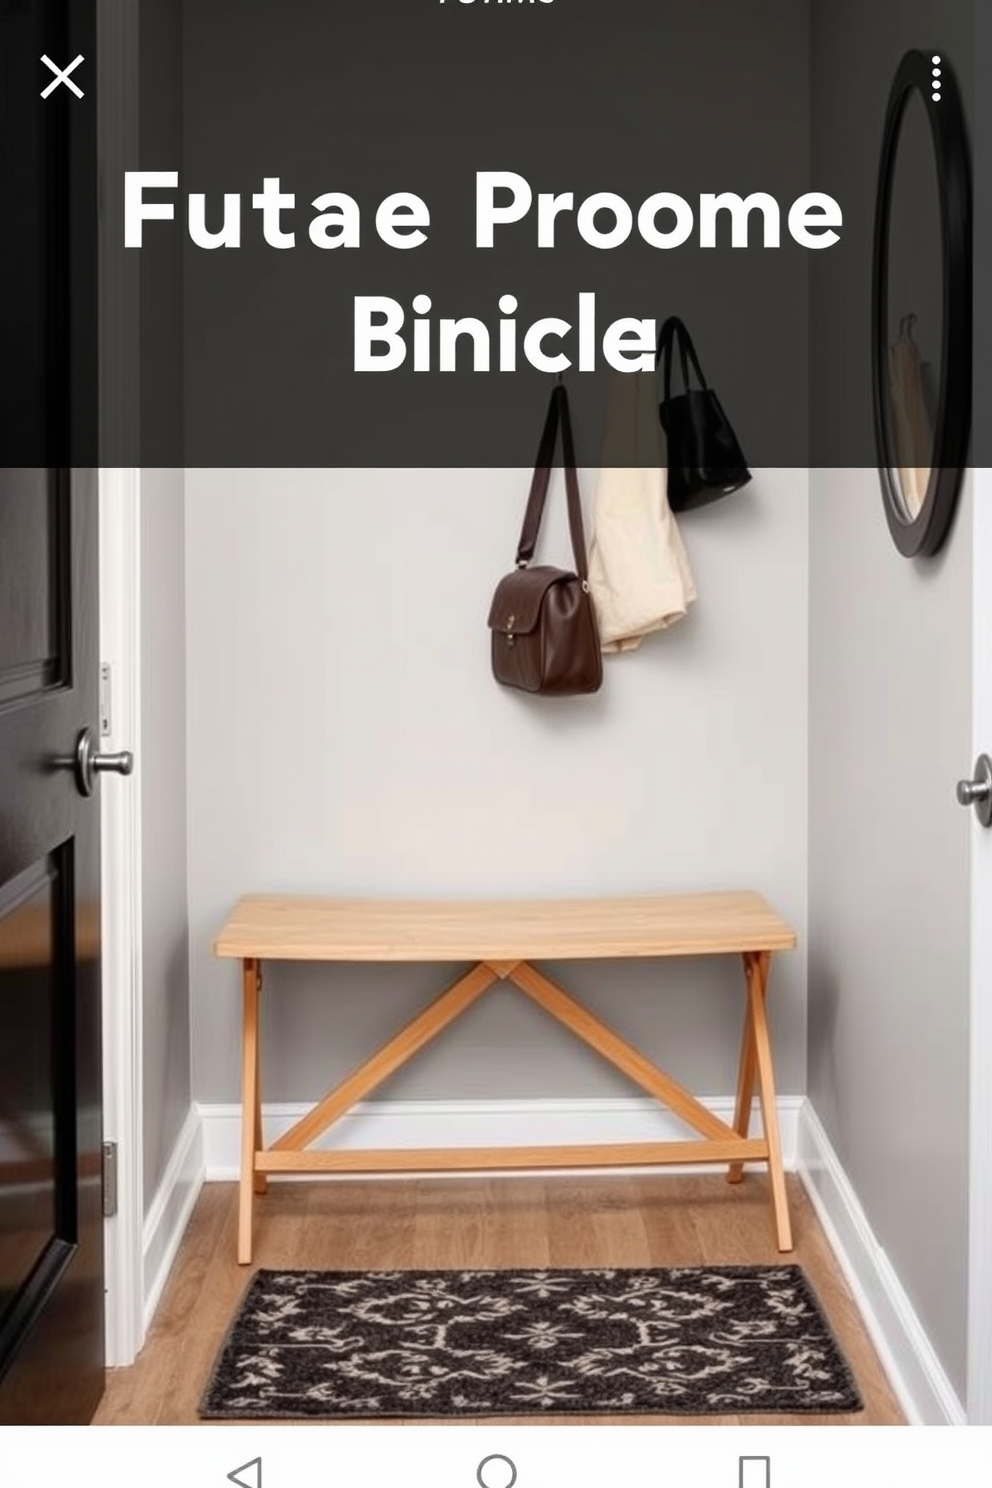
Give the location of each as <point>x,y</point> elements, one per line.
<point>673,333</point>
<point>557,414</point>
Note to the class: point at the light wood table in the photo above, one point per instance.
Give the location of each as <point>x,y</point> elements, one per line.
<point>502,939</point>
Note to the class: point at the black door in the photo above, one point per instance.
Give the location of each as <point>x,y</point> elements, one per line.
<point>51,1240</point>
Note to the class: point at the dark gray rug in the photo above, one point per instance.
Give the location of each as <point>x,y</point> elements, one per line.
<point>689,1341</point>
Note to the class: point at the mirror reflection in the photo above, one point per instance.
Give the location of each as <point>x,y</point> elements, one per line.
<point>915,309</point>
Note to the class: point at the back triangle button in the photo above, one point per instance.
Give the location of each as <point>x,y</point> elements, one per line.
<point>248,1475</point>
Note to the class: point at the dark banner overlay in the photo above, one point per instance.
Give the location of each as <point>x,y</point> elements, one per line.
<point>374,233</point>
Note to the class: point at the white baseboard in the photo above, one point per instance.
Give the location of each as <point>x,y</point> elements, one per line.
<point>170,1210</point>
<point>477,1123</point>
<point>907,1355</point>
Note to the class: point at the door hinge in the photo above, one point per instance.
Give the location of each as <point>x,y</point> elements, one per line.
<point>106,725</point>
<point>109,1179</point>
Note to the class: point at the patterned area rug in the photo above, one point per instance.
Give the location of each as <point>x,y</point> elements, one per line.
<point>687,1341</point>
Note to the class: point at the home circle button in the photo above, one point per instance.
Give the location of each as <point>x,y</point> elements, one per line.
<point>496,1471</point>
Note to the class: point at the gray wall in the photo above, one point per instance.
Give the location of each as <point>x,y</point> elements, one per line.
<point>349,739</point>
<point>162,776</point>
<point>890,727</point>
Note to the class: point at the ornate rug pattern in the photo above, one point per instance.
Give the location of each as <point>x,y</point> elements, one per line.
<point>687,1341</point>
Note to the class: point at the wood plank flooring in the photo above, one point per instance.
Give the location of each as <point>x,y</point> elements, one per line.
<point>426,1223</point>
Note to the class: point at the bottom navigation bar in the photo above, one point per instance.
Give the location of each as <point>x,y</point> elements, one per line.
<point>489,1455</point>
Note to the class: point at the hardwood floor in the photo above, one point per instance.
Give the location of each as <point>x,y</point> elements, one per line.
<point>484,1222</point>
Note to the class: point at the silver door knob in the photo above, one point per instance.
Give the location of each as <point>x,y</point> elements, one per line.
<point>86,763</point>
<point>978,792</point>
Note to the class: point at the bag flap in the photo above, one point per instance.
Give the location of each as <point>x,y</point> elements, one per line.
<point>517,602</point>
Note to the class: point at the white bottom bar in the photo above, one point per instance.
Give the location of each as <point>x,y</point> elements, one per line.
<point>371,1456</point>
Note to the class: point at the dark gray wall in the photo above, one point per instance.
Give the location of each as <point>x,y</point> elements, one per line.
<point>638,97</point>
<point>161,259</point>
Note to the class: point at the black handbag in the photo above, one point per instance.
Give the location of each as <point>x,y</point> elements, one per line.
<point>544,636</point>
<point>705,461</point>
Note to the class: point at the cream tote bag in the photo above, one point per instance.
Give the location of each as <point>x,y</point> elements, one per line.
<point>639,572</point>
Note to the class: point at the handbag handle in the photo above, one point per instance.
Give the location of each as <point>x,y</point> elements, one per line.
<point>673,333</point>
<point>557,414</point>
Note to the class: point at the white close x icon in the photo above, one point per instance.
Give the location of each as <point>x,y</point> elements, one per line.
<point>62,76</point>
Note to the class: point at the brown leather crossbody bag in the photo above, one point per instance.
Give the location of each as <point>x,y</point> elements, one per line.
<point>542,621</point>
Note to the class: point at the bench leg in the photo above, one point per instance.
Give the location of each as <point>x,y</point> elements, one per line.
<point>261,1181</point>
<point>745,1084</point>
<point>758,965</point>
<point>250,1108</point>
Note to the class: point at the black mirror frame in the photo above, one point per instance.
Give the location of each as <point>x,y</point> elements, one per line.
<point>924,535</point>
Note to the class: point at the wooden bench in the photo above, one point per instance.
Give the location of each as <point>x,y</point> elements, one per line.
<point>502,940</point>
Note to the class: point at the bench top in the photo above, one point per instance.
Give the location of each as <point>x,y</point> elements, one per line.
<point>294,928</point>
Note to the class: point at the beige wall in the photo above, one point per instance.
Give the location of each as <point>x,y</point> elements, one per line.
<point>346,737</point>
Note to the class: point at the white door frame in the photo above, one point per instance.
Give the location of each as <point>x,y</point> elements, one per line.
<point>120,647</point>
<point>980,1237</point>
<point>120,825</point>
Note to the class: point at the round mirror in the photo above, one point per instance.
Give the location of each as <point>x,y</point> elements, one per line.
<point>921,312</point>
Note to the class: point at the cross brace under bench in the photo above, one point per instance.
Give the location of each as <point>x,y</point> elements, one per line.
<point>502,940</point>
